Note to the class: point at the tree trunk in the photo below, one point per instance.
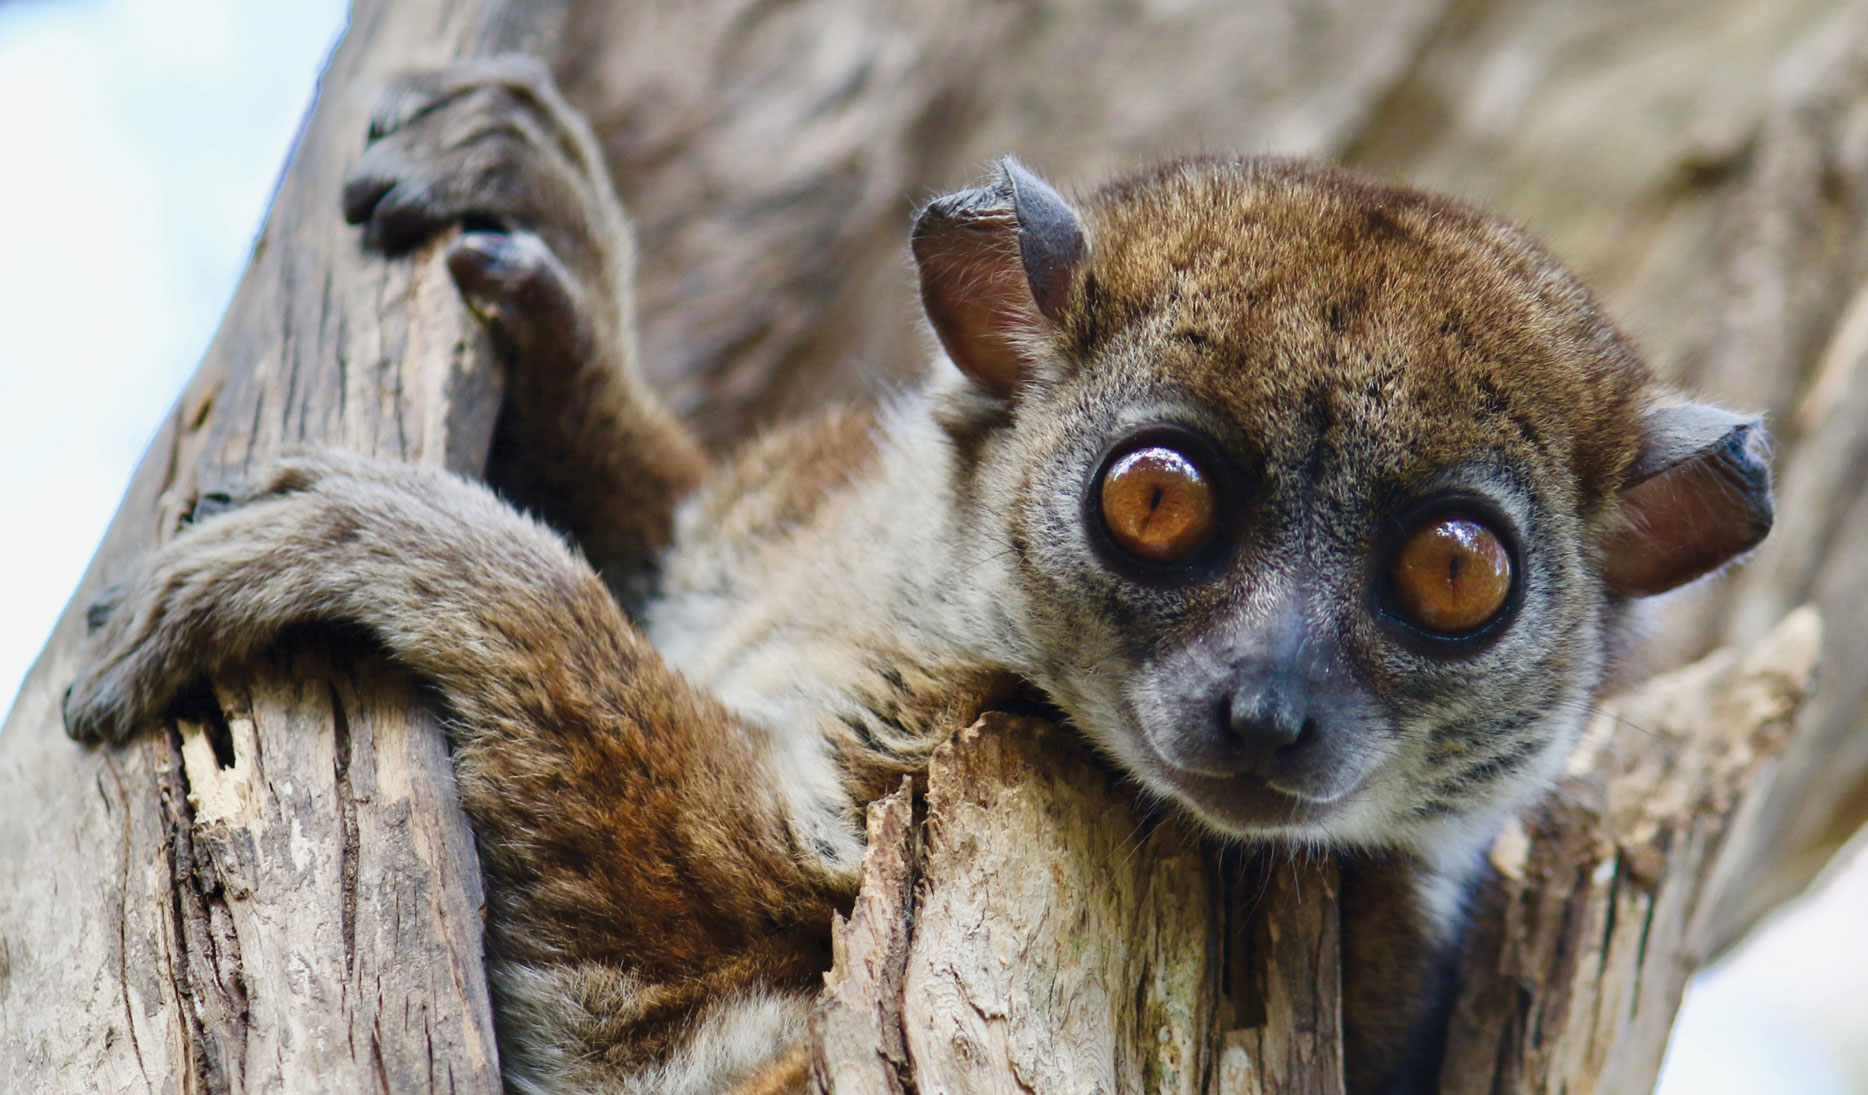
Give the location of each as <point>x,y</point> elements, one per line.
<point>282,897</point>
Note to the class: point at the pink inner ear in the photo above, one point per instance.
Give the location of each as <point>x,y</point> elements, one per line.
<point>979,300</point>
<point>1686,522</point>
<point>995,261</point>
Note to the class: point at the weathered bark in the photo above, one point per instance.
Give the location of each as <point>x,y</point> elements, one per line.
<point>289,903</point>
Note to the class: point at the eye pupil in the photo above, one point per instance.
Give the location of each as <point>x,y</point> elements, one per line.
<point>1156,505</point>
<point>1452,575</point>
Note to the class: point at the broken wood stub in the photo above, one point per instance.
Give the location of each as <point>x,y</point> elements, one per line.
<point>1039,930</point>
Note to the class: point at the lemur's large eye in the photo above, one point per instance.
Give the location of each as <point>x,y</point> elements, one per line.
<point>1451,575</point>
<point>1157,506</point>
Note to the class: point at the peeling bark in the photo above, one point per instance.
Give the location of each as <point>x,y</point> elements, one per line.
<point>1606,898</point>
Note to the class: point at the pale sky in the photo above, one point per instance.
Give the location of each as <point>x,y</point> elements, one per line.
<point>139,144</point>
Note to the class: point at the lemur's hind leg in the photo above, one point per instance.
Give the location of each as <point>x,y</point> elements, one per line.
<point>656,921</point>
<point>546,260</point>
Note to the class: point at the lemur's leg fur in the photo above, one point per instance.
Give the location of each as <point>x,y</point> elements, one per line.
<point>644,940</point>
<point>546,260</point>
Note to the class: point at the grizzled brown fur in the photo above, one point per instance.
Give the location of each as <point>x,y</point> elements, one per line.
<point>669,802</point>
<point>1288,291</point>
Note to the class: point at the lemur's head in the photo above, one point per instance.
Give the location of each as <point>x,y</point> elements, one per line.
<point>1321,496</point>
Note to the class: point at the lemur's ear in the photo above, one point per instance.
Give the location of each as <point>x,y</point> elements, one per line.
<point>997,263</point>
<point>1698,496</point>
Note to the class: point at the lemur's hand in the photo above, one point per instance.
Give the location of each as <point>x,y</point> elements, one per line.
<point>490,145</point>
<point>409,554</point>
<point>219,589</point>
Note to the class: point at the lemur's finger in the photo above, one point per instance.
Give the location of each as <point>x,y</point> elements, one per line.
<point>107,701</point>
<point>362,190</point>
<point>81,722</point>
<point>521,290</point>
<point>403,216</point>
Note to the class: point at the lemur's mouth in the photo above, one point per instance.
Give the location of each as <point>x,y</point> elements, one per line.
<point>1324,798</point>
<point>1247,802</point>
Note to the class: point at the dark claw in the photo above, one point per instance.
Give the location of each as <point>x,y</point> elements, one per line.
<point>64,707</point>
<point>479,260</point>
<point>98,613</point>
<point>211,505</point>
<point>361,193</point>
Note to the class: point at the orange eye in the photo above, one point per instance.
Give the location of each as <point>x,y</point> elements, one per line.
<point>1157,505</point>
<point>1452,575</point>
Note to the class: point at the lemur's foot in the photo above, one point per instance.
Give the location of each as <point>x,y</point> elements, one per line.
<point>491,146</point>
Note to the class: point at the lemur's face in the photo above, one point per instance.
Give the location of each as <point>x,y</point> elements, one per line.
<point>1306,621</point>
<point>1314,493</point>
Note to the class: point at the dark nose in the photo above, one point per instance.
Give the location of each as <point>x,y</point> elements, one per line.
<point>1272,727</point>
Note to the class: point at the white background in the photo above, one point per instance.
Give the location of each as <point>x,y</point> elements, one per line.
<point>139,144</point>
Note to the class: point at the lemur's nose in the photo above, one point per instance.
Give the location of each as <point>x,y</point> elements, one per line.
<point>1271,726</point>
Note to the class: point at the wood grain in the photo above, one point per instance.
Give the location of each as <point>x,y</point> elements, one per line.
<point>1060,938</point>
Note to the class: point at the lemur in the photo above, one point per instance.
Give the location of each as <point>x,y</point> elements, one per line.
<point>1313,502</point>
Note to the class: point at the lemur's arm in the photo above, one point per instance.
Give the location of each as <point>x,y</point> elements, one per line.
<point>546,260</point>
<point>642,934</point>
<point>652,907</point>
<point>1403,929</point>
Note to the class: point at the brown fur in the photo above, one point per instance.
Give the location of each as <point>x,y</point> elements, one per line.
<point>1398,975</point>
<point>783,482</point>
